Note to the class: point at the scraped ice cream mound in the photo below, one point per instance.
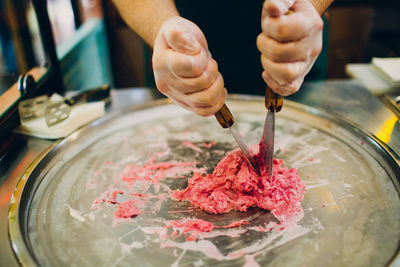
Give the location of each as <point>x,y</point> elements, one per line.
<point>234,185</point>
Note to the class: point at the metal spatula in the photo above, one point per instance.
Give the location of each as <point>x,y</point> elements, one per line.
<point>225,119</point>
<point>273,103</point>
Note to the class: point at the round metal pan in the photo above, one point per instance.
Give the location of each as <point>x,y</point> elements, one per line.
<point>351,206</point>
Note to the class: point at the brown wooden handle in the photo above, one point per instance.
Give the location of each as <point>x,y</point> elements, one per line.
<point>273,101</point>
<point>224,117</point>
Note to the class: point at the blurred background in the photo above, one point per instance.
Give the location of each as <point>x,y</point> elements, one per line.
<point>355,31</point>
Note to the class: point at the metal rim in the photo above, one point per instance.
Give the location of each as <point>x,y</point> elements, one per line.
<point>18,244</point>
<point>24,254</point>
<point>14,228</point>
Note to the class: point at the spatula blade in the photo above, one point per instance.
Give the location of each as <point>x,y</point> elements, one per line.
<point>268,138</point>
<point>242,145</point>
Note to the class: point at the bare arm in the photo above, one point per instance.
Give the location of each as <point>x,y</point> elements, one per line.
<point>183,68</point>
<point>145,17</point>
<point>321,5</point>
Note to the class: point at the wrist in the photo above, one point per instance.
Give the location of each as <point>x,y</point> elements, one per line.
<point>158,25</point>
<point>321,5</point>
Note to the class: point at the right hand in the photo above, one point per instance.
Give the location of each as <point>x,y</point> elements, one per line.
<point>184,69</point>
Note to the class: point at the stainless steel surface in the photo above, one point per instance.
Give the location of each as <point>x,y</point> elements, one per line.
<point>350,195</point>
<point>12,167</point>
<point>350,100</point>
<point>25,150</point>
<point>268,137</point>
<point>344,99</point>
<point>226,120</point>
<point>393,102</point>
<point>242,144</point>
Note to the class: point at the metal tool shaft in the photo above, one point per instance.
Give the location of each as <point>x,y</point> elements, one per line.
<point>225,118</point>
<point>245,149</point>
<point>273,103</point>
<point>269,139</point>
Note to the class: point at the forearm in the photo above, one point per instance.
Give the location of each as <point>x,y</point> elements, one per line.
<point>145,17</point>
<point>321,5</point>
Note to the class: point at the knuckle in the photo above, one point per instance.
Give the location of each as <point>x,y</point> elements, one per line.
<point>195,69</point>
<point>316,51</point>
<point>200,83</point>
<point>198,64</point>
<point>205,99</point>
<point>186,64</point>
<point>291,73</point>
<point>207,79</point>
<point>264,62</point>
<point>319,24</point>
<point>202,112</point>
<point>213,65</point>
<point>279,51</point>
<point>212,73</point>
<point>281,31</point>
<point>156,61</point>
<point>191,66</point>
<point>293,88</point>
<point>224,96</point>
<point>162,87</point>
<point>220,82</point>
<point>260,42</point>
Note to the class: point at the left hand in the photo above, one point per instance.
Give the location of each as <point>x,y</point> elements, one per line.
<point>290,42</point>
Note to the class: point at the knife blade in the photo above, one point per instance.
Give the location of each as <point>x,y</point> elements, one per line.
<point>273,103</point>
<point>225,119</point>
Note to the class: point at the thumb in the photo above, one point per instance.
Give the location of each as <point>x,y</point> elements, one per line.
<point>180,35</point>
<point>276,8</point>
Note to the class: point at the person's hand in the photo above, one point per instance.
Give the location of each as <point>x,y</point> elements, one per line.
<point>184,70</point>
<point>290,42</point>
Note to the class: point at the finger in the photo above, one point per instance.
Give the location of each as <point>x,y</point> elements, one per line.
<point>181,40</point>
<point>284,72</point>
<point>276,8</point>
<point>290,28</point>
<point>294,26</point>
<point>285,89</point>
<point>211,110</point>
<point>180,102</point>
<point>204,81</point>
<point>208,97</point>
<point>291,51</point>
<point>183,65</point>
<point>184,36</point>
<point>198,33</point>
<point>196,102</point>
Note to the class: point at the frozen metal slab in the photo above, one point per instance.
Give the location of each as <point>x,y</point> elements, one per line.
<point>352,206</point>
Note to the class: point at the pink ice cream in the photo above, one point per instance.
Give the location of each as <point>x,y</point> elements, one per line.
<point>234,185</point>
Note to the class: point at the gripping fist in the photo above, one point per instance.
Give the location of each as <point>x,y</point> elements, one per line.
<point>184,69</point>
<point>290,42</point>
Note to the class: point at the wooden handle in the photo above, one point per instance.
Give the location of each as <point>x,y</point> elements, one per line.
<point>224,117</point>
<point>273,101</point>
